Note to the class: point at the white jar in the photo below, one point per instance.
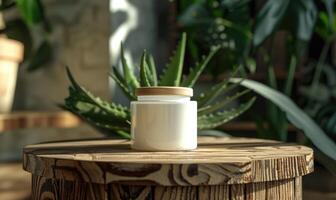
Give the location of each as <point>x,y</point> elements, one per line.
<point>164,119</point>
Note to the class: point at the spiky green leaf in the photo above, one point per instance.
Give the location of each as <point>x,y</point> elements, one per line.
<point>215,133</point>
<point>72,79</point>
<point>80,94</point>
<point>196,72</point>
<point>117,77</point>
<point>146,79</point>
<point>152,68</point>
<point>215,91</point>
<point>99,113</point>
<point>173,73</point>
<point>213,120</point>
<point>209,95</point>
<point>220,104</point>
<point>130,78</point>
<point>95,114</point>
<point>220,88</point>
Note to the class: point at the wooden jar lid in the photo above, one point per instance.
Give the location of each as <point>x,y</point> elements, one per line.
<point>163,90</point>
<point>11,50</point>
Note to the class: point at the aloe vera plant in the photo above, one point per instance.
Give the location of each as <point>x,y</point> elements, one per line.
<point>113,118</point>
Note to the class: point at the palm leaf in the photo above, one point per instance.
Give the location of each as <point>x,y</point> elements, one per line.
<point>213,120</point>
<point>130,78</point>
<point>196,72</point>
<point>294,114</point>
<point>172,74</point>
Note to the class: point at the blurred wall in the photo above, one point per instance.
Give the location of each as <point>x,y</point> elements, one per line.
<point>80,40</point>
<point>134,24</point>
<point>139,25</point>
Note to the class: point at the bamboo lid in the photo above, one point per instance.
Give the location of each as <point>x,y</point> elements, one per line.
<point>11,50</point>
<point>163,90</point>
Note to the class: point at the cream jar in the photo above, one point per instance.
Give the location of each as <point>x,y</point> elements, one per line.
<point>164,119</point>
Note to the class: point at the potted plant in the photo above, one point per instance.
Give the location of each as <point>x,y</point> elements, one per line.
<point>112,118</point>
<point>11,54</point>
<point>16,35</point>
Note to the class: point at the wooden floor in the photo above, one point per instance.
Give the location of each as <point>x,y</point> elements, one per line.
<point>14,182</point>
<point>315,195</point>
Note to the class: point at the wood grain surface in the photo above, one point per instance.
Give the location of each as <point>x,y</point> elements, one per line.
<point>53,189</point>
<point>217,161</point>
<point>19,120</point>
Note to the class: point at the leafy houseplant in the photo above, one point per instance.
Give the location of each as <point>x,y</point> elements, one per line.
<point>30,27</point>
<point>321,91</point>
<point>298,19</point>
<point>11,54</point>
<point>114,118</point>
<point>16,35</point>
<point>217,23</point>
<point>295,115</point>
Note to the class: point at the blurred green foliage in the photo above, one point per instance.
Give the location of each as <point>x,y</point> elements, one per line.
<point>31,28</point>
<point>253,32</point>
<point>212,23</point>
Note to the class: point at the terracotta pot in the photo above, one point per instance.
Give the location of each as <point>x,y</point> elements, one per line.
<point>11,54</point>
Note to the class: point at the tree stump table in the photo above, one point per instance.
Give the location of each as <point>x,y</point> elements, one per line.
<point>221,168</point>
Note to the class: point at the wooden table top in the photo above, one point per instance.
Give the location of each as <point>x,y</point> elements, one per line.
<point>218,160</point>
<point>30,119</point>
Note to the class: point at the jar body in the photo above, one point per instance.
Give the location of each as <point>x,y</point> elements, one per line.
<point>164,125</point>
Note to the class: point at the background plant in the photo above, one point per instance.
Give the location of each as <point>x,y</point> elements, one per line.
<point>320,92</point>
<point>213,23</point>
<point>113,118</point>
<point>208,20</point>
<point>299,19</point>
<point>30,27</point>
